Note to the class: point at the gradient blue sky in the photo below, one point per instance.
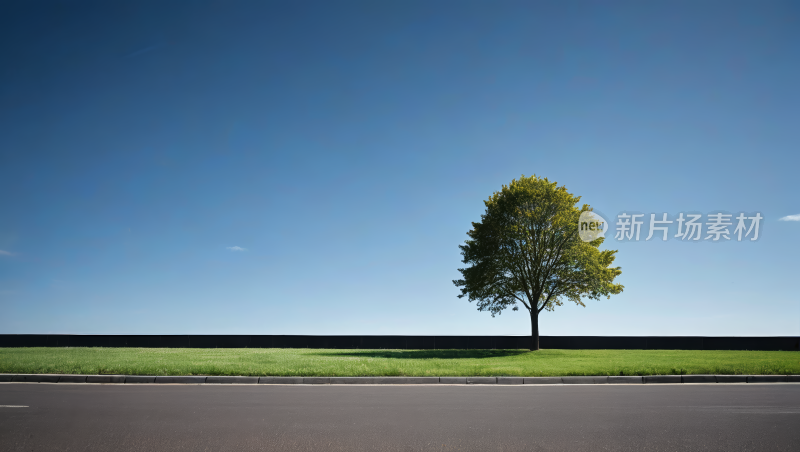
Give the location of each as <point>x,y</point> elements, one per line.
<point>346,147</point>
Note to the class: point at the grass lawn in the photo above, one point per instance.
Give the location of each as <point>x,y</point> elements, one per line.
<point>329,362</point>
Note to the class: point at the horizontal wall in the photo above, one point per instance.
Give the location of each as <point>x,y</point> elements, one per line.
<point>403,342</point>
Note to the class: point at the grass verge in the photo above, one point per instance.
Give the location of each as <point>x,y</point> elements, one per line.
<point>328,362</point>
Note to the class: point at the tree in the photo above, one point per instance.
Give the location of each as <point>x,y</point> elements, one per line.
<point>526,249</point>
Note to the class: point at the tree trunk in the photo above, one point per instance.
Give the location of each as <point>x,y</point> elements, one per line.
<point>534,330</point>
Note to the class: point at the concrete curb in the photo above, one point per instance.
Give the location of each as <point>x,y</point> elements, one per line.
<point>280,380</point>
<point>105,379</point>
<point>36,378</point>
<point>510,380</point>
<point>698,379</point>
<point>570,380</point>
<point>481,380</point>
<point>384,380</point>
<point>182,379</point>
<point>232,380</point>
<point>625,380</point>
<point>767,379</point>
<point>542,380</point>
<point>72,378</point>
<point>663,379</point>
<point>139,379</point>
<point>584,380</point>
<point>453,380</point>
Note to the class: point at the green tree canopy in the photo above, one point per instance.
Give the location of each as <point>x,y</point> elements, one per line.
<point>526,249</point>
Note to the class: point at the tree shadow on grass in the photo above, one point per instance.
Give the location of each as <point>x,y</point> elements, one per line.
<point>423,354</point>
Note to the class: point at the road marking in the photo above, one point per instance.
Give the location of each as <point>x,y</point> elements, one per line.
<point>14,406</point>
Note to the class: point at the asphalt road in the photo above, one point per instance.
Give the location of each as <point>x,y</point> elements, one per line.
<point>481,418</point>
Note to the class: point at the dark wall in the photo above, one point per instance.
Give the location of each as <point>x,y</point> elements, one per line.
<point>403,342</point>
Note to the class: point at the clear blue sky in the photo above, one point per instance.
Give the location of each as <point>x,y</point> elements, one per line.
<point>345,147</point>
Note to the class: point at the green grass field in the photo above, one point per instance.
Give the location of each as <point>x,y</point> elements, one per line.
<point>328,362</point>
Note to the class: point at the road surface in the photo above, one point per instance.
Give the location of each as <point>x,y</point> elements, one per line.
<point>79,417</point>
